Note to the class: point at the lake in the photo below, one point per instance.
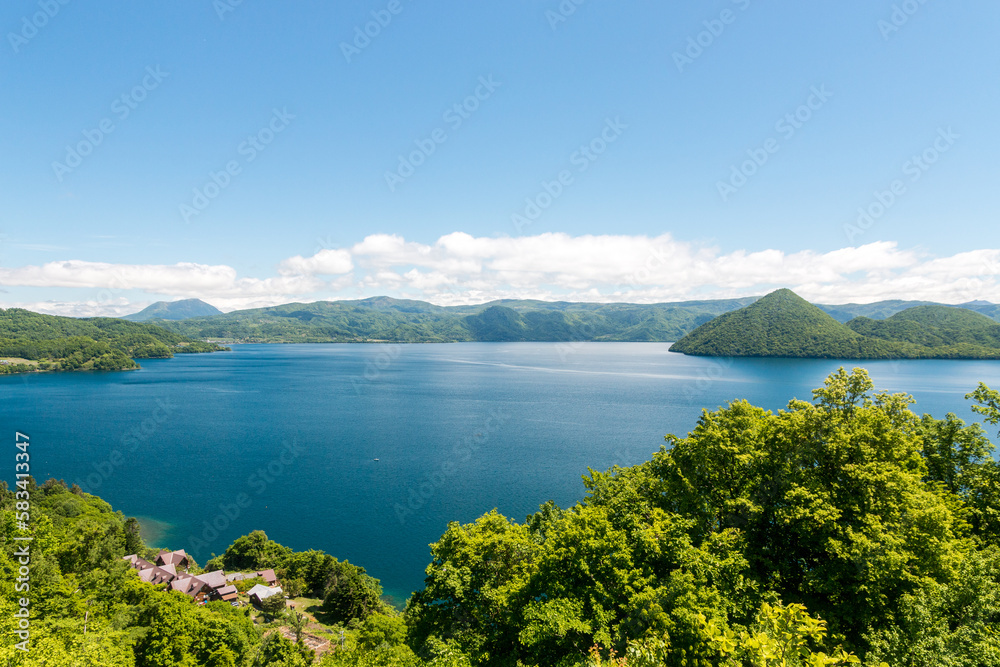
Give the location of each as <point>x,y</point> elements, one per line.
<point>368,451</point>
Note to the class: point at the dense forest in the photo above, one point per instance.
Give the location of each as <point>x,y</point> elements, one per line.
<point>406,321</point>
<point>842,530</point>
<point>36,342</point>
<point>394,320</point>
<point>782,324</point>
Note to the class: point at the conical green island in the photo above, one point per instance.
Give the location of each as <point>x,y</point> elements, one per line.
<point>783,324</point>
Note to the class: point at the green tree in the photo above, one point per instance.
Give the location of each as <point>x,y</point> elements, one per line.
<point>469,592</point>
<point>350,593</point>
<point>273,605</point>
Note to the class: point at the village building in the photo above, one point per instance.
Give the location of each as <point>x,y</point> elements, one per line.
<point>176,558</point>
<point>226,593</point>
<point>268,576</point>
<point>171,568</point>
<point>216,579</point>
<point>259,593</point>
<point>193,587</point>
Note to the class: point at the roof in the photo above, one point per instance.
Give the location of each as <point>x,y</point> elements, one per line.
<point>138,563</point>
<point>189,586</point>
<point>227,592</point>
<point>263,592</point>
<point>236,576</point>
<point>170,567</point>
<point>171,557</point>
<point>216,579</point>
<point>267,575</point>
<point>156,575</point>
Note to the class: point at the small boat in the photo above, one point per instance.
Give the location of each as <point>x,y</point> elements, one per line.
<point>374,459</point>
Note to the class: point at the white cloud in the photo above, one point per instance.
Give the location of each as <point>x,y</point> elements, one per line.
<point>459,269</point>
<point>324,262</point>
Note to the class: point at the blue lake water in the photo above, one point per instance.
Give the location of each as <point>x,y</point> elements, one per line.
<point>291,433</point>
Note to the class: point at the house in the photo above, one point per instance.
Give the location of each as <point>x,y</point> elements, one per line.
<point>215,585</point>
<point>268,576</point>
<point>193,587</point>
<point>137,562</point>
<point>216,579</point>
<point>176,558</point>
<point>156,575</point>
<point>226,593</point>
<point>148,571</point>
<point>259,593</point>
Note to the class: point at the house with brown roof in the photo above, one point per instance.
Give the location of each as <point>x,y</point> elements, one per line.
<point>226,593</point>
<point>156,575</point>
<point>268,576</point>
<point>216,579</point>
<point>176,558</point>
<point>193,587</point>
<point>208,584</point>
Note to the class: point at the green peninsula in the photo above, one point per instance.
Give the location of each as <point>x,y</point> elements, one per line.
<point>31,342</point>
<point>782,324</point>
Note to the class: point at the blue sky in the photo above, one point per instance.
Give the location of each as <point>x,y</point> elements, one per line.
<point>643,124</point>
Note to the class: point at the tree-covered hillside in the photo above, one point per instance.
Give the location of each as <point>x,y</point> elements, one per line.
<point>933,326</point>
<point>49,342</point>
<point>842,530</point>
<point>782,324</point>
<point>385,319</point>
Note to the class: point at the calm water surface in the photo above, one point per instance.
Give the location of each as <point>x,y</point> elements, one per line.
<point>292,432</point>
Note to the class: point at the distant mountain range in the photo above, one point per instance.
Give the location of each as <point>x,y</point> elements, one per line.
<point>384,319</point>
<point>782,324</point>
<point>174,310</point>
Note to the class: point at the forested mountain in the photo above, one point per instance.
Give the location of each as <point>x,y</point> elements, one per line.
<point>883,309</point>
<point>385,319</point>
<point>782,324</point>
<point>932,326</point>
<point>845,530</point>
<point>399,320</point>
<point>174,310</point>
<point>32,342</point>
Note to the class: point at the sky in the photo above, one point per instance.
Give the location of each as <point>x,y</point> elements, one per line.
<point>252,153</point>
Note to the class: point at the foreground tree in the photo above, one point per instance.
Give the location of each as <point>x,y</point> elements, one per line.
<point>848,522</point>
